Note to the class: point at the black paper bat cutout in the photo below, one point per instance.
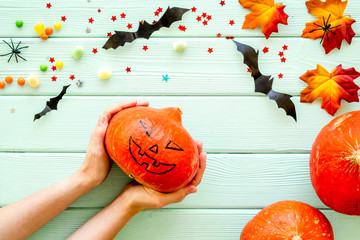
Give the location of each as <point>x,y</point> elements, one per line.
<point>263,83</point>
<point>52,103</point>
<point>145,29</point>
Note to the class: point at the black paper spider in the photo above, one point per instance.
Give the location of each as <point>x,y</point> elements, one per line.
<point>14,50</point>
<point>327,27</point>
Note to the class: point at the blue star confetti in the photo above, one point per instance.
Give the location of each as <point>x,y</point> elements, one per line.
<point>166,77</point>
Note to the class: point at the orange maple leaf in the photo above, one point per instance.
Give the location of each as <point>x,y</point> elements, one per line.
<point>265,14</point>
<point>330,13</point>
<point>331,87</point>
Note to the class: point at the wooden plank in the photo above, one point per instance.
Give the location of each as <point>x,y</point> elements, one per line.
<point>78,13</point>
<point>224,124</point>
<point>230,181</point>
<point>193,72</point>
<point>184,224</point>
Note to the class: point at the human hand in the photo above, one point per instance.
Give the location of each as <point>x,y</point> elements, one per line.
<point>140,197</point>
<point>97,164</point>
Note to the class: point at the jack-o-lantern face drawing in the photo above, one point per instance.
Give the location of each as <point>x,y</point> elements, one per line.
<point>142,158</point>
<point>151,146</point>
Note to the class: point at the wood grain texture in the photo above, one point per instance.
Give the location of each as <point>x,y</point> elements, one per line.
<point>230,181</point>
<point>193,72</point>
<point>165,224</point>
<point>78,13</point>
<point>224,124</point>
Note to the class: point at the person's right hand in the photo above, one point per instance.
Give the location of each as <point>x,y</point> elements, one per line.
<point>139,197</point>
<point>97,164</point>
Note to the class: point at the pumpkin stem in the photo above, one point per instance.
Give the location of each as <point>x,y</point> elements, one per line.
<point>180,110</point>
<point>297,238</point>
<point>356,157</point>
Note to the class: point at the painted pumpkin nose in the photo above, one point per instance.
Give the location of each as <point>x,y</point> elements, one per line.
<point>154,148</point>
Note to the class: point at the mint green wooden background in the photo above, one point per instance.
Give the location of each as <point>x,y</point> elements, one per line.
<point>256,155</point>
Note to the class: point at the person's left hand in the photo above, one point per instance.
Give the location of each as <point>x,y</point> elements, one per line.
<point>97,164</point>
<point>140,197</point>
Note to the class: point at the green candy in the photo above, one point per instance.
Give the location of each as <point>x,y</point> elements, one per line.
<point>19,23</point>
<point>43,67</point>
<point>77,52</point>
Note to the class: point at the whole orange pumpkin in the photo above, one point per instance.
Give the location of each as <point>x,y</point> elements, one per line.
<point>151,146</point>
<point>290,220</point>
<point>335,162</point>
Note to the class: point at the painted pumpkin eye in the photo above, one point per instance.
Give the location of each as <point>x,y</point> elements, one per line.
<point>173,146</point>
<point>148,129</point>
<point>154,148</point>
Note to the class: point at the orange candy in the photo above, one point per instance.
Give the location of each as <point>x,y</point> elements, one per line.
<point>9,79</point>
<point>44,36</point>
<point>49,31</point>
<point>2,84</point>
<point>21,81</point>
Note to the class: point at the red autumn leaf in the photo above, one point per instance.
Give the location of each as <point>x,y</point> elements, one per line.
<point>329,13</point>
<point>265,14</point>
<point>331,87</point>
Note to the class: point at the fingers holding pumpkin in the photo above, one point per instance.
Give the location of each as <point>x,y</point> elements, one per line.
<point>178,196</point>
<point>110,111</point>
<point>202,165</point>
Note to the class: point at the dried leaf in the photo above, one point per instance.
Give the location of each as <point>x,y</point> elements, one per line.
<point>329,13</point>
<point>265,14</point>
<point>331,87</point>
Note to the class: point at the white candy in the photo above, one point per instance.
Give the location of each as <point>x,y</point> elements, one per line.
<point>104,73</point>
<point>179,46</point>
<point>33,81</point>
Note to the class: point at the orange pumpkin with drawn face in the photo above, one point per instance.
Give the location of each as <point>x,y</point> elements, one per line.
<point>151,146</point>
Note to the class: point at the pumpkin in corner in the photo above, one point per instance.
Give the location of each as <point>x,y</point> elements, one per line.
<point>290,220</point>
<point>151,146</point>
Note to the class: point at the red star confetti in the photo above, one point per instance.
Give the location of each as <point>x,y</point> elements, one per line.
<point>128,69</point>
<point>109,34</point>
<point>72,77</point>
<point>48,5</point>
<point>113,18</point>
<point>159,10</point>
<point>283,59</point>
<point>142,21</point>
<point>285,47</point>
<point>129,26</point>
<point>222,3</point>
<point>53,68</point>
<point>218,35</point>
<point>209,17</point>
<point>156,13</point>
<point>281,54</point>
<point>232,22</point>
<point>182,28</point>
<point>91,20</point>
<point>198,18</point>
<point>99,10</point>
<point>280,75</point>
<point>154,22</point>
<point>249,70</point>
<point>193,9</point>
<point>229,37</point>
<point>265,50</point>
<point>204,15</point>
<point>210,50</point>
<point>205,22</point>
<point>145,47</point>
<point>63,18</point>
<point>94,50</point>
<point>53,78</point>
<point>123,15</point>
<point>52,60</point>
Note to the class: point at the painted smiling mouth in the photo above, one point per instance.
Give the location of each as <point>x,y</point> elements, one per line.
<point>151,164</point>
